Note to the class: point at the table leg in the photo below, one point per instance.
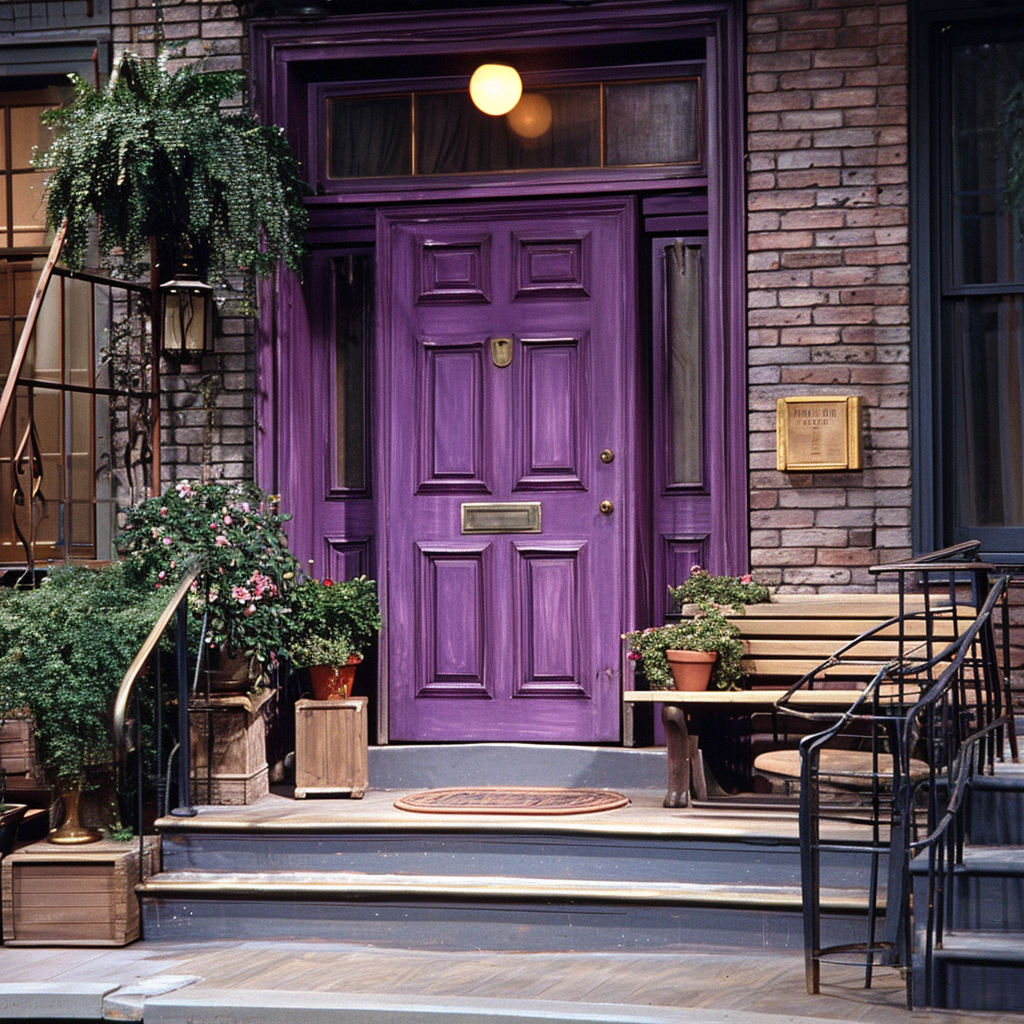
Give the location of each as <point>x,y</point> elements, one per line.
<point>677,746</point>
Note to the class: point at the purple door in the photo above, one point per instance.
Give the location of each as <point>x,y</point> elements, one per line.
<point>506,373</point>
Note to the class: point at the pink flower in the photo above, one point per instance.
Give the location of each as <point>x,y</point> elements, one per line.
<point>634,656</point>
<point>746,578</point>
<point>328,583</point>
<point>161,574</point>
<point>214,526</point>
<point>227,520</point>
<point>167,541</point>
<point>221,541</point>
<point>163,511</point>
<point>694,569</point>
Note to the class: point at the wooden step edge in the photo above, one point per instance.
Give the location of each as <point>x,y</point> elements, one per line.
<point>982,860</point>
<point>307,886</point>
<point>995,947</point>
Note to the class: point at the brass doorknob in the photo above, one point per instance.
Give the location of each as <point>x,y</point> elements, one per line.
<point>606,508</point>
<point>607,455</point>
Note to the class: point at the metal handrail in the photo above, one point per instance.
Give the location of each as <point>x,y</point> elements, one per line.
<point>14,373</point>
<point>176,607</point>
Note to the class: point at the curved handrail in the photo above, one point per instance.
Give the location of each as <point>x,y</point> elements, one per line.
<point>18,360</point>
<point>124,692</point>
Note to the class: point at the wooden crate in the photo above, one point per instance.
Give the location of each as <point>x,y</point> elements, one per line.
<point>229,749</point>
<point>18,747</point>
<point>330,747</point>
<point>74,895</point>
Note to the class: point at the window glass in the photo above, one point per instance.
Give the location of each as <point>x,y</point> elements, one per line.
<point>684,331</point>
<point>589,125</point>
<point>368,136</point>
<point>354,304</point>
<point>668,112</point>
<point>986,336</point>
<point>987,242</point>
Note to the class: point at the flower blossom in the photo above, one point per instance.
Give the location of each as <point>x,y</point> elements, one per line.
<point>221,541</point>
<point>746,578</point>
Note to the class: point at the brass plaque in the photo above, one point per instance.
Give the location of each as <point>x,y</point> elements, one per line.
<point>818,433</point>
<point>501,517</point>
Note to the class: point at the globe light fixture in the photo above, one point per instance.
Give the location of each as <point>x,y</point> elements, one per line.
<point>495,88</point>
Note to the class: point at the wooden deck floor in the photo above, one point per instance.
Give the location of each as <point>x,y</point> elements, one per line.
<point>721,987</point>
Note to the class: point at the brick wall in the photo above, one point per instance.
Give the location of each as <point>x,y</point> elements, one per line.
<point>195,442</point>
<point>828,278</point>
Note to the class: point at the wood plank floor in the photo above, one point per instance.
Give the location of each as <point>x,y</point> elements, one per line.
<point>764,984</point>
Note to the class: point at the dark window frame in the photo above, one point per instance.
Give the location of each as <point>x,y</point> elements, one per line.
<point>933,513</point>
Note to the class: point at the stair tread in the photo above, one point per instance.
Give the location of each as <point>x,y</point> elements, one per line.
<point>314,884</point>
<point>994,859</point>
<point>1005,947</point>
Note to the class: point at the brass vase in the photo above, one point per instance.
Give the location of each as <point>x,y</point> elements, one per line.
<point>72,832</point>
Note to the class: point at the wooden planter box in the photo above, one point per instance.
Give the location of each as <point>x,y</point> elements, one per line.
<point>18,747</point>
<point>73,895</point>
<point>229,749</point>
<point>330,747</point>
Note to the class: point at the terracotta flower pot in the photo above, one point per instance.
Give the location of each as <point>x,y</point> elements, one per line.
<point>333,682</point>
<point>691,670</point>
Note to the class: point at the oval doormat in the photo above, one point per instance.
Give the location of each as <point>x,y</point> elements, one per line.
<point>511,800</point>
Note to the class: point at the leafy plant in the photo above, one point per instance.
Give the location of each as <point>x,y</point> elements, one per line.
<point>331,620</point>
<point>153,154</point>
<point>1011,130</point>
<point>238,534</point>
<point>709,631</point>
<point>66,647</point>
<point>707,591</point>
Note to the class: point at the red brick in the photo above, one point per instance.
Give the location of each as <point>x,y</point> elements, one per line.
<point>795,120</point>
<point>809,336</point>
<point>782,240</point>
<point>810,39</point>
<point>877,255</point>
<point>827,99</point>
<point>813,258</point>
<point>885,216</point>
<point>815,220</point>
<point>762,83</point>
<point>762,24</point>
<point>878,296</point>
<point>791,61</point>
<point>857,36</point>
<point>780,279</point>
<point>835,277</point>
<point>846,58</point>
<point>766,260</point>
<point>845,138</point>
<point>761,181</point>
<point>774,6</point>
<point>797,21</point>
<point>778,141</point>
<point>793,100</point>
<point>822,177</point>
<point>871,116</point>
<point>762,44</point>
<point>778,317</point>
<point>816,375</point>
<point>806,297</point>
<point>768,221</point>
<point>762,123</point>
<point>861,236</point>
<point>843,354</point>
<point>815,81</point>
<point>843,315</point>
<point>781,199</point>
<point>861,16</point>
<point>847,198</point>
<point>804,159</point>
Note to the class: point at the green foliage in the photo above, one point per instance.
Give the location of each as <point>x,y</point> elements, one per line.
<point>1011,129</point>
<point>710,631</point>
<point>153,154</point>
<point>238,534</point>
<point>332,620</point>
<point>66,648</point>
<point>708,591</point>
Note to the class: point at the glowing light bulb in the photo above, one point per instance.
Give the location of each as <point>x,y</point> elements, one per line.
<point>531,116</point>
<point>495,88</point>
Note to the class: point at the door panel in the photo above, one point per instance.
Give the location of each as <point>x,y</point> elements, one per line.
<point>511,634</point>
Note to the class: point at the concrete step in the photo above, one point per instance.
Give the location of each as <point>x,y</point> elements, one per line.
<point>988,889</point>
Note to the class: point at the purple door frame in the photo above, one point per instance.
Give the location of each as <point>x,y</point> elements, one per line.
<point>283,53</point>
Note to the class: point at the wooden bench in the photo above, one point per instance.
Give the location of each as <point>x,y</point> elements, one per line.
<point>786,641</point>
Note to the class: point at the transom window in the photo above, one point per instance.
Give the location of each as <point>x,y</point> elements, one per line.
<point>607,124</point>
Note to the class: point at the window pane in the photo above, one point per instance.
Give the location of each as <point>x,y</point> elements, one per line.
<point>685,361</point>
<point>652,123</point>
<point>986,246</point>
<point>354,292</point>
<point>369,136</point>
<point>29,208</point>
<point>549,129</point>
<point>26,134</point>
<point>986,337</point>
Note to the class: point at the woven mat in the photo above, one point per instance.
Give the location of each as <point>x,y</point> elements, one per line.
<point>511,800</point>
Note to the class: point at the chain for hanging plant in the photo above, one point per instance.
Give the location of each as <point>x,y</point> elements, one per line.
<point>153,154</point>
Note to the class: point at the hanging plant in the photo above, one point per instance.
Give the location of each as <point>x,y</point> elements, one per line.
<point>153,154</point>
<point>1011,129</point>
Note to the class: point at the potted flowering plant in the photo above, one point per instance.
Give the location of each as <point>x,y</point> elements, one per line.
<point>333,625</point>
<point>657,648</point>
<point>237,532</point>
<point>704,590</point>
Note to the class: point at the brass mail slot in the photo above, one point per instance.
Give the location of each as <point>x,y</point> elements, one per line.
<point>501,517</point>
